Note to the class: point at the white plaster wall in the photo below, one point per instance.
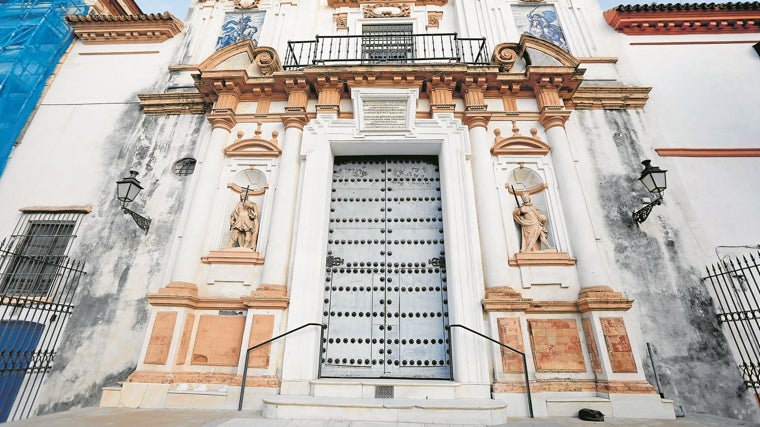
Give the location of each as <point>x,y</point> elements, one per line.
<point>87,133</point>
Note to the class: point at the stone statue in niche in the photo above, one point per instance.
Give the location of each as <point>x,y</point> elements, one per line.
<point>244,223</point>
<point>533,224</point>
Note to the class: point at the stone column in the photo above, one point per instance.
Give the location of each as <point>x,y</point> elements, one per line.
<point>598,303</point>
<point>286,194</point>
<point>553,116</point>
<point>195,232</point>
<point>490,225</point>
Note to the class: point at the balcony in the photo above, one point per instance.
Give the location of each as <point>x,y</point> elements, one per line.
<point>399,48</point>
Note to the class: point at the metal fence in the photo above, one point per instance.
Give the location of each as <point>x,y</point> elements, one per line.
<point>735,286</point>
<point>36,293</point>
<point>392,48</point>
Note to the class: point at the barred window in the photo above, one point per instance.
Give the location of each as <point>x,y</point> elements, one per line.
<point>392,43</point>
<point>30,260</point>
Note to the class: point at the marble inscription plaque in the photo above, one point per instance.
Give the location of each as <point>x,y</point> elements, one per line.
<point>385,114</point>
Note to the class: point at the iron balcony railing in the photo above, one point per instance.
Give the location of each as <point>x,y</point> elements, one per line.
<point>391,48</point>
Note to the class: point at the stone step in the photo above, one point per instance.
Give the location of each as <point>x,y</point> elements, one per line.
<point>430,411</point>
<point>399,389</point>
<point>569,407</point>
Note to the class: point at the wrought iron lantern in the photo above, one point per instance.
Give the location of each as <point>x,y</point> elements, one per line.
<point>654,180</point>
<point>126,190</point>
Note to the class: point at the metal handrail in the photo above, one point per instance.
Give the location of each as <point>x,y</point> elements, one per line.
<point>248,354</point>
<point>525,363</point>
<point>391,48</point>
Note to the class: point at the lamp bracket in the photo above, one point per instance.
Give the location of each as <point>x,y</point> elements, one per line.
<point>141,221</point>
<point>641,215</point>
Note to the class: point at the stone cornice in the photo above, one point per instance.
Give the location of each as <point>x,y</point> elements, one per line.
<point>597,298</point>
<point>608,98</point>
<point>232,71</point>
<point>125,29</point>
<point>695,18</point>
<point>265,297</point>
<point>357,3</point>
<point>173,103</point>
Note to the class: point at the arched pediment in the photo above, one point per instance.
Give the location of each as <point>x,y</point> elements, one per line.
<point>238,56</point>
<point>254,147</point>
<point>519,145</point>
<point>548,51</point>
<point>242,56</point>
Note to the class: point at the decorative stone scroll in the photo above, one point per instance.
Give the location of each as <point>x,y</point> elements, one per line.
<point>387,10</point>
<point>385,110</point>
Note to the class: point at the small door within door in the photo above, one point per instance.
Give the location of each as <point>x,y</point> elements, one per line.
<point>386,304</point>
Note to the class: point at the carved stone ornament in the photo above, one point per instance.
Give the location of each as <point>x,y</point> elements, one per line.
<point>505,55</point>
<point>247,4</point>
<point>341,21</point>
<point>434,19</point>
<point>533,226</point>
<point>244,223</point>
<point>387,10</point>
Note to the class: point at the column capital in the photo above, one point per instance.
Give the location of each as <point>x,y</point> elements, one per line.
<point>474,120</point>
<point>222,118</point>
<point>294,120</point>
<point>553,116</point>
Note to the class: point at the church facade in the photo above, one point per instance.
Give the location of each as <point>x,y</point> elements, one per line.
<point>426,204</point>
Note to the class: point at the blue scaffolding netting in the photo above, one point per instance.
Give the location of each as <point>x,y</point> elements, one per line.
<point>33,36</point>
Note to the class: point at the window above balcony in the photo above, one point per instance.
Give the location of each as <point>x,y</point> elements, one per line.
<point>381,44</point>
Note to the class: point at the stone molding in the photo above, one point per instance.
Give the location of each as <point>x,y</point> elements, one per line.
<point>125,29</point>
<point>545,259</point>
<point>257,146</point>
<point>357,3</point>
<point>268,297</point>
<point>233,256</point>
<point>602,298</point>
<point>265,297</point>
<point>202,378</point>
<point>85,209</point>
<point>556,87</point>
<point>708,152</point>
<point>608,98</point>
<point>170,103</point>
<point>678,19</point>
<point>596,298</point>
<point>518,144</point>
<point>571,385</point>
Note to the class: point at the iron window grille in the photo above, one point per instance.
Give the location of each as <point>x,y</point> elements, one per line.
<point>39,245</point>
<point>387,43</point>
<point>184,167</point>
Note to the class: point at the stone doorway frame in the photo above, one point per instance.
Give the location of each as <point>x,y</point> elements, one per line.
<point>443,136</point>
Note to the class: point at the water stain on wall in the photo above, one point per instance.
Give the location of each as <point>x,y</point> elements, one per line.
<point>674,310</point>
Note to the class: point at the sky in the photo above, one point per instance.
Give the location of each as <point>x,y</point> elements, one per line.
<point>178,8</point>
